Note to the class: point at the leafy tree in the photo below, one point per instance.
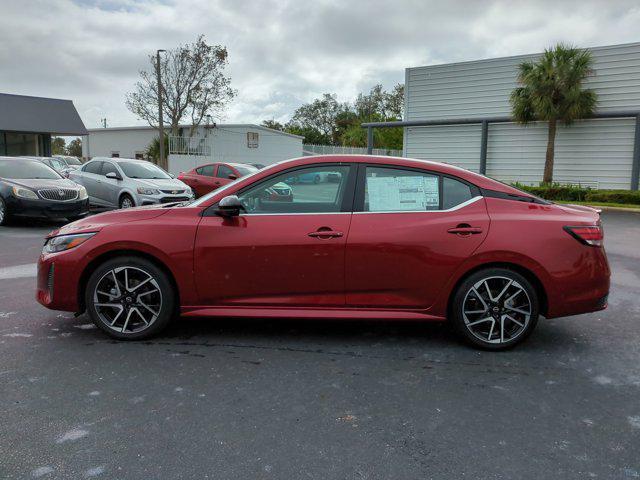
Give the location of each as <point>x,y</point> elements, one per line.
<point>57,146</point>
<point>153,150</point>
<point>311,135</point>
<point>319,115</point>
<point>272,124</point>
<point>74,148</point>
<point>194,86</point>
<point>552,90</point>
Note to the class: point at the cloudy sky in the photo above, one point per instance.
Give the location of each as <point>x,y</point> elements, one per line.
<point>281,53</point>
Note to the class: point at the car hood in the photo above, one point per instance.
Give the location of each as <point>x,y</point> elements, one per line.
<point>162,183</point>
<point>101,220</point>
<point>39,183</point>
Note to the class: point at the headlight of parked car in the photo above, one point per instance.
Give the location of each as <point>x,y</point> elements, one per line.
<point>148,191</point>
<point>25,193</point>
<point>82,194</point>
<point>65,242</point>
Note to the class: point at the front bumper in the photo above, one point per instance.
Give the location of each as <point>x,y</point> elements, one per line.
<point>162,198</point>
<point>46,208</point>
<point>58,278</point>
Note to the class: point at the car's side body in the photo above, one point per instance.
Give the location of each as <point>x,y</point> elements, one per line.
<point>107,184</point>
<point>206,178</point>
<point>403,265</point>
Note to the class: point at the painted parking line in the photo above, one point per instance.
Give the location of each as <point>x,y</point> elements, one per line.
<point>18,271</point>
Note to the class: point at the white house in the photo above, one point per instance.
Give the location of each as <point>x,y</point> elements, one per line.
<point>237,143</point>
<point>600,152</point>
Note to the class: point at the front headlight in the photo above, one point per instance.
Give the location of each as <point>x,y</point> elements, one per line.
<point>148,191</point>
<point>82,194</point>
<point>65,242</point>
<point>25,193</point>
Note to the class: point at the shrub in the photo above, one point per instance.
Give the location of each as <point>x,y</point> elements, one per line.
<point>569,193</point>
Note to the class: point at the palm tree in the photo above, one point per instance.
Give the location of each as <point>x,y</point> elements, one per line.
<point>551,90</point>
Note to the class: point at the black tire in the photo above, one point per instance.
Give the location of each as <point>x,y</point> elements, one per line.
<point>316,179</point>
<point>123,199</point>
<point>4,215</point>
<point>481,315</point>
<point>160,279</point>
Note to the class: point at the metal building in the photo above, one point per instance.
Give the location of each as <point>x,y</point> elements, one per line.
<point>599,152</point>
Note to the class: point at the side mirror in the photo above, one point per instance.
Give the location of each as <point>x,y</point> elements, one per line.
<point>229,206</point>
<point>233,177</point>
<point>113,175</point>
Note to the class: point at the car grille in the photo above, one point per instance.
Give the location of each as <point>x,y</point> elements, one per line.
<point>59,194</point>
<point>174,199</point>
<point>172,192</point>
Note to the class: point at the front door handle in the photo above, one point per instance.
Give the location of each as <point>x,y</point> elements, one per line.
<point>325,233</point>
<point>465,229</point>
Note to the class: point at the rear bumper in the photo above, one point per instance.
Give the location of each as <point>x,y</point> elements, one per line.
<point>46,208</point>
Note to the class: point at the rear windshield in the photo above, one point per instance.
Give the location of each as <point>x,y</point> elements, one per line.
<point>19,169</point>
<point>142,170</point>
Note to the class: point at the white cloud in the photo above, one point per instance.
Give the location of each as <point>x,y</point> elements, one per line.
<point>281,53</point>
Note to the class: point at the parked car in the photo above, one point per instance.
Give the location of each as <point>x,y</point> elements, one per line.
<point>259,166</point>
<point>57,164</point>
<point>125,183</point>
<point>30,188</point>
<point>72,162</point>
<point>205,178</point>
<point>394,239</point>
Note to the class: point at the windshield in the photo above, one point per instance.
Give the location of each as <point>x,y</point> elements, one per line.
<point>245,170</point>
<point>143,170</point>
<point>72,161</point>
<point>23,169</point>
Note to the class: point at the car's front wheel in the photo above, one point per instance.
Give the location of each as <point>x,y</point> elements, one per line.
<point>495,308</point>
<point>130,298</point>
<point>4,216</point>
<point>126,201</point>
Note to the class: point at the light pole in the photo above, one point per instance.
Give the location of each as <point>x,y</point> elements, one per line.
<point>160,124</point>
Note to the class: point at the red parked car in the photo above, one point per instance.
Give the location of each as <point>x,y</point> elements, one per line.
<point>205,178</point>
<point>391,238</point>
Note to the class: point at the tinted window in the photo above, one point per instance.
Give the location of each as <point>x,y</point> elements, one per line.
<point>224,171</point>
<point>142,170</point>
<point>398,190</point>
<point>454,193</point>
<point>298,191</point>
<point>26,169</point>
<point>93,167</point>
<point>108,167</point>
<point>207,170</point>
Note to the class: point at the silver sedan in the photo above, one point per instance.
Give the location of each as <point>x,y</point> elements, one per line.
<point>125,183</point>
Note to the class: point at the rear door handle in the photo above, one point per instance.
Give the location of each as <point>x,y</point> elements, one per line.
<point>325,234</point>
<point>460,230</point>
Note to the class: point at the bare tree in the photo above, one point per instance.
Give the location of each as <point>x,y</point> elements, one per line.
<point>194,86</point>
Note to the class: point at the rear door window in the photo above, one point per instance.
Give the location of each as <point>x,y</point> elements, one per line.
<point>399,190</point>
<point>108,167</point>
<point>224,171</point>
<point>207,170</point>
<point>93,167</point>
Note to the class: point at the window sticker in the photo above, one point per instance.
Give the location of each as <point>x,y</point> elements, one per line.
<point>403,194</point>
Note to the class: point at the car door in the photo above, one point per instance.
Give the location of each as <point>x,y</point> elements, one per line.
<point>205,180</point>
<point>410,231</point>
<point>278,253</point>
<point>89,177</point>
<point>223,173</point>
<point>110,188</point>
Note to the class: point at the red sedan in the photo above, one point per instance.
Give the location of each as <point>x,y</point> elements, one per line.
<point>206,178</point>
<point>387,238</point>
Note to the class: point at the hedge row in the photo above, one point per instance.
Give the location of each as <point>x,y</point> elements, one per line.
<point>566,193</point>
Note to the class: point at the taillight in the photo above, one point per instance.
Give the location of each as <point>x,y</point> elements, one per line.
<point>592,235</point>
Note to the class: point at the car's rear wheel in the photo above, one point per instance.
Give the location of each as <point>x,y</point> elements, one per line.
<point>4,216</point>
<point>126,201</point>
<point>495,309</point>
<point>130,298</point>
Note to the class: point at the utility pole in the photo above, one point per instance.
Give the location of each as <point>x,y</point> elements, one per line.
<point>160,124</point>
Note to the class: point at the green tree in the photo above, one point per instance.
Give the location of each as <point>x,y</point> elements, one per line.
<point>319,115</point>
<point>552,90</point>
<point>57,146</point>
<point>74,148</point>
<point>153,150</point>
<point>273,124</point>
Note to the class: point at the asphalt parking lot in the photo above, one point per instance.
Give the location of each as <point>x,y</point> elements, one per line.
<point>323,400</point>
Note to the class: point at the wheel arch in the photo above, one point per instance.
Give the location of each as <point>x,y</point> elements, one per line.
<point>100,259</point>
<point>524,271</point>
<point>124,192</point>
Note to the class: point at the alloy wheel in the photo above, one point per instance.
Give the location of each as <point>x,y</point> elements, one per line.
<point>497,310</point>
<point>126,203</point>
<point>127,299</point>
